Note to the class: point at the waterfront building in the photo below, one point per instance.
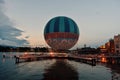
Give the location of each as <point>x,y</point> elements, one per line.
<point>112,46</point>
<point>103,49</point>
<point>117,43</point>
<point>108,47</point>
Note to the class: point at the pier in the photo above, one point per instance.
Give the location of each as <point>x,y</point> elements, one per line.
<point>111,59</point>
<point>36,57</point>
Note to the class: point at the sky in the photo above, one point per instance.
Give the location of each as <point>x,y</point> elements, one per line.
<point>98,20</point>
<point>9,35</point>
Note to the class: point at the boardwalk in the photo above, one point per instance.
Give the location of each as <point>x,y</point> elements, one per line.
<point>111,59</point>
<point>35,57</point>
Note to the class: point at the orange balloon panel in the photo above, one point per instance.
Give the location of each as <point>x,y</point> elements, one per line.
<point>61,41</point>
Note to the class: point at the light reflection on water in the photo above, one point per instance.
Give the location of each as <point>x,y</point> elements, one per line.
<point>87,72</point>
<point>56,70</point>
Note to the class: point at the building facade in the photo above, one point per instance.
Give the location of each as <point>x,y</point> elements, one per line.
<point>108,47</point>
<point>117,43</point>
<point>112,46</point>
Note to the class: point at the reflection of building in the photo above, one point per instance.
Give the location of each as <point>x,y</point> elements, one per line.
<point>117,43</point>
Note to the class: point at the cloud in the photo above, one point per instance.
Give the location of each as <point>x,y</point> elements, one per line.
<point>8,33</point>
<point>27,37</point>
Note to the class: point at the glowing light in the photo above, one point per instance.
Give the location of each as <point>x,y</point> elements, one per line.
<point>103,59</point>
<point>113,61</point>
<point>51,54</point>
<point>25,53</point>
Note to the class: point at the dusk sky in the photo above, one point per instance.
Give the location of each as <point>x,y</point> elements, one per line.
<point>98,20</point>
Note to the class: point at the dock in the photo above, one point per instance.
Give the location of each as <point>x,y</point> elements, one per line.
<point>111,59</point>
<point>37,57</point>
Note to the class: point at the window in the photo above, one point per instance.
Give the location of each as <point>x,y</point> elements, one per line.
<point>117,51</point>
<point>117,46</point>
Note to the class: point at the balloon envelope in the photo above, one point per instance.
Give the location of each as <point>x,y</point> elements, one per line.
<point>61,33</point>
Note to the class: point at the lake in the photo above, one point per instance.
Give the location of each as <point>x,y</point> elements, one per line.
<point>55,69</point>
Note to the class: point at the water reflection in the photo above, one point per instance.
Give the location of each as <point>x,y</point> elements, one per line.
<point>3,60</point>
<point>60,70</point>
<point>115,71</point>
<point>55,69</point>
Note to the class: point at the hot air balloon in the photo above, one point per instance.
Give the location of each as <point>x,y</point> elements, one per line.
<point>61,33</point>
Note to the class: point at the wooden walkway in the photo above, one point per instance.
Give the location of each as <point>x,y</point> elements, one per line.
<point>111,59</point>
<point>36,57</point>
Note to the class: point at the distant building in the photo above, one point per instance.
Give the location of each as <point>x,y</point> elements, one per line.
<point>112,46</point>
<point>103,49</point>
<point>109,47</point>
<point>87,50</point>
<point>117,43</point>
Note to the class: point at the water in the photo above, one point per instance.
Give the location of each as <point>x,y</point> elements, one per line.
<point>56,70</point>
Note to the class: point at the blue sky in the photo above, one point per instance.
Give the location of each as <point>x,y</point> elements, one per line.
<point>98,20</point>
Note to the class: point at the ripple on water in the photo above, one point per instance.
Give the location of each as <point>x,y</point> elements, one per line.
<point>58,69</point>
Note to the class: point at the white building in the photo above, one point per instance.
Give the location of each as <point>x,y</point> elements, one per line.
<point>117,43</point>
